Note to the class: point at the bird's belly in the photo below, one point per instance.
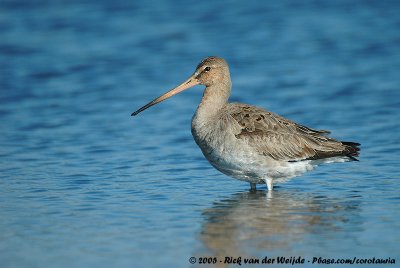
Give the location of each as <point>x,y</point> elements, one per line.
<point>236,159</point>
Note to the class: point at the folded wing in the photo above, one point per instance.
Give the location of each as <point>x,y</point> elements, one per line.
<point>284,140</point>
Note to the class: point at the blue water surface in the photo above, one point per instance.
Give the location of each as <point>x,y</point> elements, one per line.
<point>83,184</point>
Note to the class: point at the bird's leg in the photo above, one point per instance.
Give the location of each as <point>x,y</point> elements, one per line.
<point>269,183</point>
<point>253,186</point>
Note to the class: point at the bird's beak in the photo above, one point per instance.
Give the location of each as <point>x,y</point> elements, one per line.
<point>192,81</point>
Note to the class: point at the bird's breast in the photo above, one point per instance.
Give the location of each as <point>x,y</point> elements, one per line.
<point>216,139</point>
<point>215,136</point>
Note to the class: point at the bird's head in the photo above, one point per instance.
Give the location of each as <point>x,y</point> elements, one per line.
<point>210,71</point>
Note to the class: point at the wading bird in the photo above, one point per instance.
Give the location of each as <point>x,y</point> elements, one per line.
<point>249,143</point>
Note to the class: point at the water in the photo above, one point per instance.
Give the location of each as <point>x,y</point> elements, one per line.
<point>85,185</point>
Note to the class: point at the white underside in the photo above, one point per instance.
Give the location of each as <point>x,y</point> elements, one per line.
<point>271,172</point>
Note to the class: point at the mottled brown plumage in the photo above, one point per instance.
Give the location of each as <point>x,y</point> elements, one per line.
<point>285,140</point>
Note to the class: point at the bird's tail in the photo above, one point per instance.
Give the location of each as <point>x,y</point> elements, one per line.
<point>352,149</point>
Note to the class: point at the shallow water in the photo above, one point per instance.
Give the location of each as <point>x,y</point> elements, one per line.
<point>83,184</point>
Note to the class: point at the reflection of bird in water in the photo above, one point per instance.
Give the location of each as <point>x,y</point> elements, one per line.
<point>250,143</point>
<point>256,224</point>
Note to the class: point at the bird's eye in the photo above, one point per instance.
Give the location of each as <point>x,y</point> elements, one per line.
<point>207,69</point>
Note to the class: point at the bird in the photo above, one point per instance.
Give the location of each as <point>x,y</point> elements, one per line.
<point>249,143</point>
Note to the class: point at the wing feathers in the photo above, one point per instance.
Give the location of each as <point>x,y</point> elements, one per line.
<point>282,139</point>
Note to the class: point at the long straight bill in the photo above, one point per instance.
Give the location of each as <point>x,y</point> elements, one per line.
<point>185,85</point>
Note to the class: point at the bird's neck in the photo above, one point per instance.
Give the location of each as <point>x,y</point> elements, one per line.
<point>214,98</point>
